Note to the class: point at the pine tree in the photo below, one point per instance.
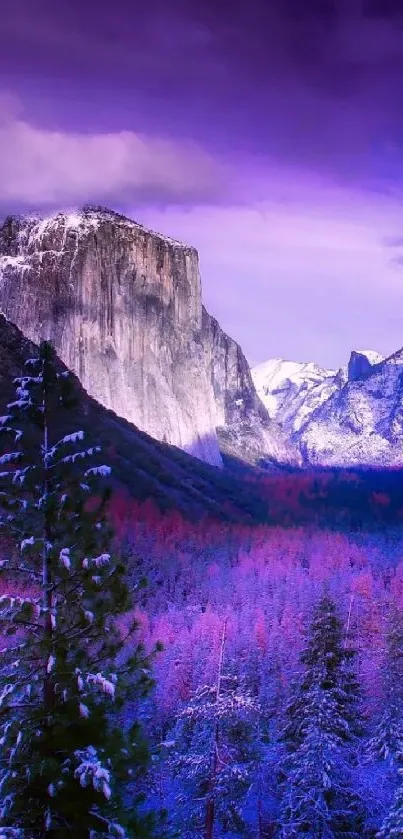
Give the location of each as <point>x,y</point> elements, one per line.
<point>392,827</point>
<point>323,724</point>
<point>65,767</point>
<point>222,732</point>
<point>386,744</point>
<point>214,755</point>
<point>387,741</point>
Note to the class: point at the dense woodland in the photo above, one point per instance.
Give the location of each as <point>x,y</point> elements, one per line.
<point>162,677</point>
<point>235,606</point>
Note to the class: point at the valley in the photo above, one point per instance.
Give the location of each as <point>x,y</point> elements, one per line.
<point>290,493</point>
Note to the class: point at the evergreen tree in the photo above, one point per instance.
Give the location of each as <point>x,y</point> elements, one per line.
<point>387,741</point>
<point>392,827</point>
<point>65,767</point>
<point>323,724</point>
<point>213,757</point>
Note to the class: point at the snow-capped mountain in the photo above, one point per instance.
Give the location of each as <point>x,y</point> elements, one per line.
<point>362,422</point>
<point>292,390</point>
<point>350,417</point>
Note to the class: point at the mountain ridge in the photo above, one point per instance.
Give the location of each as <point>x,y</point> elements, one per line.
<point>352,418</point>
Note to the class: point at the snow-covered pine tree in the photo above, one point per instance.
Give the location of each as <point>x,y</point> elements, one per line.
<point>230,726</point>
<point>392,827</point>
<point>213,756</point>
<point>64,765</point>
<point>321,733</point>
<point>387,740</point>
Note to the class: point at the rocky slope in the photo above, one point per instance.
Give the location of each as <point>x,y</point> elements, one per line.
<point>142,467</point>
<point>350,418</point>
<point>122,306</point>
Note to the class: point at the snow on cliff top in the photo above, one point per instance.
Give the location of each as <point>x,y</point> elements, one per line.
<point>89,218</point>
<point>372,356</point>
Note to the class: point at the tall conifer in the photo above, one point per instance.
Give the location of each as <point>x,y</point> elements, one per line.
<point>66,769</point>
<point>323,724</point>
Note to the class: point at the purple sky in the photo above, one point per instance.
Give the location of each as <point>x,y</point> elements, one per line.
<point>269,134</point>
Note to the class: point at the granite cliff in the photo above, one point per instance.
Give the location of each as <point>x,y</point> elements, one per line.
<point>122,305</point>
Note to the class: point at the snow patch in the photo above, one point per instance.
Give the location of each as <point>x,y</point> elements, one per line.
<point>372,356</point>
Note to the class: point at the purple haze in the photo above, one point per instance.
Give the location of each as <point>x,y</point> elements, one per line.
<point>268,134</point>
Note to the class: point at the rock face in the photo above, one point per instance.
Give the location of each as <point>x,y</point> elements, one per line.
<point>361,363</point>
<point>122,306</point>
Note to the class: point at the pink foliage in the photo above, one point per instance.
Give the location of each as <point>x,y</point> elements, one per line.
<point>264,580</point>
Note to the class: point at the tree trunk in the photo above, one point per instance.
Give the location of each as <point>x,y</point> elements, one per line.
<point>349,616</point>
<point>48,686</point>
<point>260,815</point>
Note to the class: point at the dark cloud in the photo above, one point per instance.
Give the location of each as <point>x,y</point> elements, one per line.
<point>397,262</point>
<point>314,82</point>
<point>104,97</point>
<point>53,168</point>
<point>393,241</point>
<point>394,244</point>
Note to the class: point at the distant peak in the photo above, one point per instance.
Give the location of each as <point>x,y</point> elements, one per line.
<point>361,363</point>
